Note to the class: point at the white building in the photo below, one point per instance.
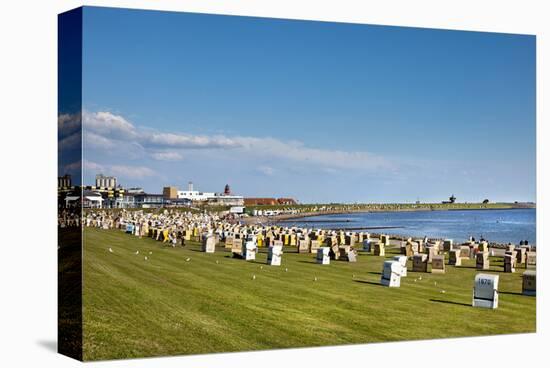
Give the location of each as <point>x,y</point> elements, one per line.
<point>102,181</point>
<point>214,198</point>
<point>194,195</point>
<point>88,199</point>
<point>226,200</point>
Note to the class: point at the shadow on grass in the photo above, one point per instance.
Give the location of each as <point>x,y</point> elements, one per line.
<point>450,302</point>
<point>375,273</point>
<point>310,262</point>
<point>369,282</point>
<point>233,257</point>
<point>479,269</point>
<point>510,293</point>
<point>257,262</point>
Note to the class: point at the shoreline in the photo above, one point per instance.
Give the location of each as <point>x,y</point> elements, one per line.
<point>270,220</point>
<point>291,219</point>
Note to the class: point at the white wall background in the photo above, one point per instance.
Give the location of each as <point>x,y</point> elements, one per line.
<point>28,255</point>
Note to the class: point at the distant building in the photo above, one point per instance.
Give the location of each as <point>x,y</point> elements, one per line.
<point>129,200</point>
<point>112,197</point>
<point>146,200</point>
<point>222,199</point>
<point>64,181</point>
<point>269,201</point>
<point>260,202</point>
<point>287,201</point>
<point>225,200</point>
<point>170,192</point>
<point>64,189</point>
<point>102,181</point>
<point>90,199</point>
<point>176,202</point>
<point>193,195</point>
<point>135,190</point>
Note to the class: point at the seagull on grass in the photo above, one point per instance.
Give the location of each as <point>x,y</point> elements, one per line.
<point>187,259</point>
<point>137,251</point>
<point>146,258</point>
<point>111,250</point>
<point>253,277</point>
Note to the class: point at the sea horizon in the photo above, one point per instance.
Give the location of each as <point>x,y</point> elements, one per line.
<point>509,225</point>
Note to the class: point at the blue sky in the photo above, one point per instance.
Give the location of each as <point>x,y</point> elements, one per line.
<point>313,110</point>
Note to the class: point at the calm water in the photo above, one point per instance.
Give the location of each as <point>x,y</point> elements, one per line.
<point>500,226</point>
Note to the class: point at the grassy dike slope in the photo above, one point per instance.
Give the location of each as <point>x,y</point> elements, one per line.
<point>167,305</point>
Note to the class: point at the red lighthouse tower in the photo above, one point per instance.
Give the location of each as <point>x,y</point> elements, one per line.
<point>227,190</point>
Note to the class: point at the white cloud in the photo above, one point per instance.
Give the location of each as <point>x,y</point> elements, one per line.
<point>73,166</point>
<point>115,127</point>
<point>186,141</point>
<point>108,124</point>
<point>266,170</point>
<point>296,151</point>
<point>131,171</point>
<point>167,156</point>
<point>69,131</point>
<point>70,142</point>
<point>106,130</point>
<point>93,140</point>
<point>68,124</point>
<point>93,166</point>
<point>126,171</point>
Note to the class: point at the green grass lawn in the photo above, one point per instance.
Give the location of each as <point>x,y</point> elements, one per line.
<point>167,305</point>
